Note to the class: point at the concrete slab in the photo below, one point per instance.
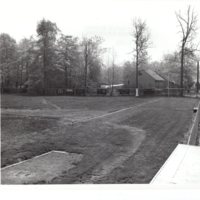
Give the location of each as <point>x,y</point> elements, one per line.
<point>40,169</point>
<point>182,167</point>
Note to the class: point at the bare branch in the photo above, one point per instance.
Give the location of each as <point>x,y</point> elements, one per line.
<point>179,18</point>
<point>188,25</point>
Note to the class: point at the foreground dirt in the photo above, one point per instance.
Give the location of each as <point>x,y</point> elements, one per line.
<point>120,147</point>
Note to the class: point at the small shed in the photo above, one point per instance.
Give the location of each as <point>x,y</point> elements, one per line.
<point>149,79</point>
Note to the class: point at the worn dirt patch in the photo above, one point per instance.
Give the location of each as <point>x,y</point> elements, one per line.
<point>118,158</point>
<point>40,169</point>
<point>68,115</point>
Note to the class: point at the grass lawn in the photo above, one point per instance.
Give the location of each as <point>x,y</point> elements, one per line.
<point>121,147</point>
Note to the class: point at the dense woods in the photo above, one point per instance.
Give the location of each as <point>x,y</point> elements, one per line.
<point>52,60</point>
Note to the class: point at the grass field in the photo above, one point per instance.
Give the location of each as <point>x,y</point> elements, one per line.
<point>118,145</point>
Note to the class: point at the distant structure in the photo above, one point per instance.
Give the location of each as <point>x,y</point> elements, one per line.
<point>106,86</point>
<point>149,79</point>
<point>112,90</point>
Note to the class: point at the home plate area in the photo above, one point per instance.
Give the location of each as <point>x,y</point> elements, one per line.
<point>40,169</point>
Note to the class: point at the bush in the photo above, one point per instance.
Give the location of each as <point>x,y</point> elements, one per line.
<point>124,91</point>
<point>79,92</point>
<point>69,91</point>
<point>149,91</point>
<point>101,91</point>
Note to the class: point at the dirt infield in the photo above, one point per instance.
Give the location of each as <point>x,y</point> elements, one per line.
<point>121,147</point>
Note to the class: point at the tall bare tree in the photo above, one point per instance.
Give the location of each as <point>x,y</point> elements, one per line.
<point>188,26</point>
<point>86,53</point>
<point>141,38</point>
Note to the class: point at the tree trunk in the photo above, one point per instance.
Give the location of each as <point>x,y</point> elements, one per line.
<point>70,78</point>
<point>182,67</point>
<point>44,67</point>
<point>21,75</point>
<point>8,76</point>
<point>66,78</point>
<point>17,82</point>
<point>27,71</point>
<point>197,77</point>
<point>86,66</point>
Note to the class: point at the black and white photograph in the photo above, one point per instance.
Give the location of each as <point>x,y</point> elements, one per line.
<point>100,92</point>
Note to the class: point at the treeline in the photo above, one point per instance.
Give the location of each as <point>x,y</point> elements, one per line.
<point>52,60</point>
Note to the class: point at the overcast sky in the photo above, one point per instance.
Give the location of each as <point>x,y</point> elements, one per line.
<point>110,19</point>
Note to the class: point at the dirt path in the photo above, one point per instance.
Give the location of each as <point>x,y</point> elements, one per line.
<point>117,159</point>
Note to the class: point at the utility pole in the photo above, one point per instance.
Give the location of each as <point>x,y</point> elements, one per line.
<point>136,78</point>
<point>113,71</point>
<point>197,77</point>
<point>113,76</point>
<point>44,66</point>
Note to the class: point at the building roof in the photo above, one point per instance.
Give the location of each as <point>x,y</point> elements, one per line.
<point>168,78</point>
<point>154,75</point>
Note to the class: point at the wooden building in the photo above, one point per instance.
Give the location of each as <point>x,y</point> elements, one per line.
<point>148,79</point>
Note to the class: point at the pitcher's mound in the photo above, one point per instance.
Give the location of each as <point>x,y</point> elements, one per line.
<point>40,169</point>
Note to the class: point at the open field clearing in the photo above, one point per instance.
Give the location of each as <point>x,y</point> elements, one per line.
<point>120,139</point>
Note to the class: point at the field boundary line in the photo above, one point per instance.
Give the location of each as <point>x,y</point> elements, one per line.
<point>178,167</point>
<point>23,161</point>
<point>163,166</point>
<point>45,101</point>
<point>117,111</point>
<point>194,125</point>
